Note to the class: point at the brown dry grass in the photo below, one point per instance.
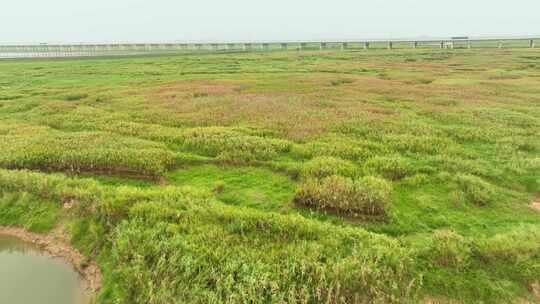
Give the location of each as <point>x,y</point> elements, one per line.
<point>304,106</point>
<point>536,205</point>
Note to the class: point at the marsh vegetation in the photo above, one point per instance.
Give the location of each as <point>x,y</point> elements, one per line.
<point>283,177</point>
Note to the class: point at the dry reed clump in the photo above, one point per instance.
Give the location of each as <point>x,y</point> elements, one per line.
<point>353,197</point>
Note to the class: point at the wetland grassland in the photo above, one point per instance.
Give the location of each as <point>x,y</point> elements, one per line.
<point>404,176</point>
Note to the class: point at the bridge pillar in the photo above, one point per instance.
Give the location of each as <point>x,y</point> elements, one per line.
<point>442,44</point>
<point>323,46</point>
<point>390,45</point>
<point>415,45</point>
<point>366,45</point>
<point>284,46</point>
<point>531,44</point>
<point>344,46</point>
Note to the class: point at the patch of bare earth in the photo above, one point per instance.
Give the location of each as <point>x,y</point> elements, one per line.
<point>535,289</point>
<point>535,204</point>
<point>55,244</point>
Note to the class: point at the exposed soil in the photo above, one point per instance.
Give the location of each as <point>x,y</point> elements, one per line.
<point>535,289</point>
<point>56,244</point>
<point>536,204</point>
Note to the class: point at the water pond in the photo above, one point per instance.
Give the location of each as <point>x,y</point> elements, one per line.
<point>28,277</point>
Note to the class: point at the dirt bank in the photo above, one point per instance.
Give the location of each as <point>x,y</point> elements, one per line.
<point>535,204</point>
<point>56,244</point>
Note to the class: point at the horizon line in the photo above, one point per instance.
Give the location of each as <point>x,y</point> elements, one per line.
<point>329,40</point>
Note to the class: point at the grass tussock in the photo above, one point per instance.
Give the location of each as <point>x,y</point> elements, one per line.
<point>475,189</point>
<point>449,249</point>
<point>353,197</point>
<point>392,167</point>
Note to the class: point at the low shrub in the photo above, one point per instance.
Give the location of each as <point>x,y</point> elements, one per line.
<point>324,166</point>
<point>354,197</point>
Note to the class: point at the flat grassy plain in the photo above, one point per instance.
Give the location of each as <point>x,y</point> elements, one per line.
<point>377,176</point>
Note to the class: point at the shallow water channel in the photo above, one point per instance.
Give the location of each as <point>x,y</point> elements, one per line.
<point>28,277</point>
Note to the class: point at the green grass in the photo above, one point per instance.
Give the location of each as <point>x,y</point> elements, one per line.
<point>28,211</point>
<point>253,187</point>
<point>300,177</point>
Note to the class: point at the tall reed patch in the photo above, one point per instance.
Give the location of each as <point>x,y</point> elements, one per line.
<point>48,149</point>
<point>159,255</point>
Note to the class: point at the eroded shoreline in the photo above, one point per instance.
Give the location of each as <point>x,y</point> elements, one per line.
<point>56,245</point>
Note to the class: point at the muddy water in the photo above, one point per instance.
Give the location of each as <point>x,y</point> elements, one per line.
<point>28,277</point>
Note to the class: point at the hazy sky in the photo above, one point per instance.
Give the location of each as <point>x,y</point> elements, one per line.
<point>257,20</point>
